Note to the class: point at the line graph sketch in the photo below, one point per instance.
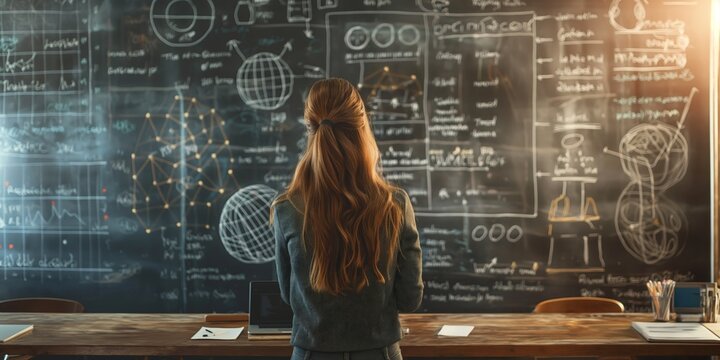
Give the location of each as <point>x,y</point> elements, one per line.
<point>654,156</point>
<point>244,225</point>
<point>157,164</point>
<point>182,23</point>
<point>391,95</point>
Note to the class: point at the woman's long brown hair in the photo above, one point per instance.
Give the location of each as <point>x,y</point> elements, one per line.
<point>349,207</point>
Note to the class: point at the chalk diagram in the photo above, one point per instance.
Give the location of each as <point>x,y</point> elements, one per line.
<point>392,95</point>
<point>182,23</point>
<point>159,175</point>
<point>244,225</point>
<point>575,239</point>
<point>651,227</point>
<point>264,81</point>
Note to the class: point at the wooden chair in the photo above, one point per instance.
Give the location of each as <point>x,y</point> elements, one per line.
<point>579,305</point>
<point>41,305</point>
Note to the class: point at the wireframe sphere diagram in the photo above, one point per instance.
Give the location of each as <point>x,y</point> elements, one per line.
<point>264,81</point>
<point>244,225</point>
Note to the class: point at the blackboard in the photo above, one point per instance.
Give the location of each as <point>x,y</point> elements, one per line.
<point>550,148</point>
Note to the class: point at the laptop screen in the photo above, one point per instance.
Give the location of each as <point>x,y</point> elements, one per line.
<point>267,309</point>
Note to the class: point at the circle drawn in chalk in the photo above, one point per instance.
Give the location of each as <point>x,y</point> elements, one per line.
<point>514,234</point>
<point>497,231</point>
<point>408,35</point>
<point>483,232</point>
<point>383,35</point>
<point>357,38</point>
<point>182,23</point>
<point>572,141</point>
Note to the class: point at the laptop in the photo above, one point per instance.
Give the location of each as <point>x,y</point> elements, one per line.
<point>270,316</point>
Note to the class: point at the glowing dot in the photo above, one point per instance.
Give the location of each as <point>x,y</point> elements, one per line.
<point>185,125</point>
<point>134,177</point>
<point>221,190</point>
<point>386,69</point>
<point>201,116</point>
<point>192,137</point>
<point>173,147</point>
<point>227,142</point>
<point>208,204</point>
<point>186,114</point>
<point>413,76</point>
<point>147,198</point>
<point>154,183</point>
<point>147,231</point>
<point>132,155</point>
<point>200,183</point>
<point>359,86</point>
<point>197,156</point>
<point>232,160</point>
<point>64,241</point>
<point>214,156</point>
<point>167,116</point>
<point>134,211</point>
<point>11,246</point>
<point>178,224</point>
<point>193,100</point>
<point>175,166</point>
<point>157,138</point>
<point>192,203</point>
<point>150,156</point>
<point>209,141</point>
<point>169,181</point>
<point>147,115</point>
<point>177,97</point>
<point>230,172</point>
<point>199,170</point>
<point>166,206</point>
<point>222,123</point>
<point>212,111</point>
<point>204,131</point>
<point>207,226</point>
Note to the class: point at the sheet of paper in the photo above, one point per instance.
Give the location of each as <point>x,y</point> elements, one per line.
<point>456,330</point>
<point>216,333</point>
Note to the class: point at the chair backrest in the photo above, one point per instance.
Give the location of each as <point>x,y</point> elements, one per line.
<point>41,305</point>
<point>579,305</point>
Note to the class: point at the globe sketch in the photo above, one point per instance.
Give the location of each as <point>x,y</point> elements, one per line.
<point>244,225</point>
<point>264,81</point>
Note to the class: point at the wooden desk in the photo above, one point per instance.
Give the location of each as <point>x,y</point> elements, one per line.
<point>494,335</point>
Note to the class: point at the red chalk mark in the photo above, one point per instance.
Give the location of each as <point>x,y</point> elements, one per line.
<point>52,202</point>
<point>106,217</point>
<point>11,246</point>
<point>104,189</point>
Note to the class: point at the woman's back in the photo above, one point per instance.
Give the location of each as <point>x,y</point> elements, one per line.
<point>348,253</point>
<point>351,322</point>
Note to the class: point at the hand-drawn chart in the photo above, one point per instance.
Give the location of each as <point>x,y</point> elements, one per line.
<point>182,154</point>
<point>438,94</point>
<point>243,225</point>
<point>53,192</point>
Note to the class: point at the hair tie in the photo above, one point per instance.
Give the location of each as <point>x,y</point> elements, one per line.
<point>327,122</point>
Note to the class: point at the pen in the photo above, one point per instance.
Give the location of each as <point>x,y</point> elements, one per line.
<point>206,329</point>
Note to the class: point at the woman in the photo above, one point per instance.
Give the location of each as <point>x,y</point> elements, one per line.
<point>348,252</point>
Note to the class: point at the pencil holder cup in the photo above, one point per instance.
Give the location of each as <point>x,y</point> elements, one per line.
<point>661,307</point>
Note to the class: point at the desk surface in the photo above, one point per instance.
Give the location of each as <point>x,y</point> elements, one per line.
<point>494,335</point>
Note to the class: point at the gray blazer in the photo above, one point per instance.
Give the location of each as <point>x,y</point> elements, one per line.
<point>351,322</point>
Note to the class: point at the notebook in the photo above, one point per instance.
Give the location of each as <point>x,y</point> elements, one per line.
<point>270,316</point>
<point>12,331</point>
<point>674,332</point>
